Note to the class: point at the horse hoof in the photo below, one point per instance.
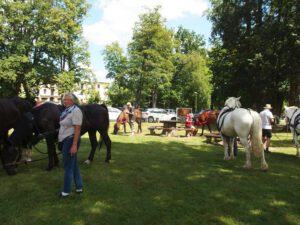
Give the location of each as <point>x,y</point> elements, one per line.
<point>107,160</point>
<point>247,167</point>
<point>264,167</point>
<point>226,158</point>
<point>87,161</point>
<point>49,168</point>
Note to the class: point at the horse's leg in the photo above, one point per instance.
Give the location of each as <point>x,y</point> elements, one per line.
<point>296,143</point>
<point>94,143</point>
<point>124,125</point>
<point>52,156</point>
<point>139,122</point>
<point>107,142</point>
<point>225,145</point>
<point>245,143</point>
<point>208,127</point>
<point>235,146</point>
<point>263,164</point>
<point>202,129</point>
<point>230,150</point>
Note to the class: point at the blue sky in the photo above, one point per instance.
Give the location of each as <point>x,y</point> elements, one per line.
<point>113,20</point>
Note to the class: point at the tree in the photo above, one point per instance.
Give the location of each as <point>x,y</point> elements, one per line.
<point>255,47</point>
<point>116,63</point>
<point>192,73</point>
<point>150,57</point>
<point>41,40</point>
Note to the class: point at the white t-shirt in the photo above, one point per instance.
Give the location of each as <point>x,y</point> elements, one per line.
<point>266,117</point>
<point>66,125</point>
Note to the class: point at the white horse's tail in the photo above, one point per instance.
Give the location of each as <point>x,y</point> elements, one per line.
<point>256,134</point>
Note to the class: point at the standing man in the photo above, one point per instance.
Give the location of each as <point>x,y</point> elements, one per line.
<point>69,136</point>
<point>131,117</point>
<point>267,119</point>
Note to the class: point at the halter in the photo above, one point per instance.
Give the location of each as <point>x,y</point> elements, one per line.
<point>296,121</point>
<point>15,162</point>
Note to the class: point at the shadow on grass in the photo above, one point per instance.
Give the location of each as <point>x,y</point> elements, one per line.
<point>158,181</point>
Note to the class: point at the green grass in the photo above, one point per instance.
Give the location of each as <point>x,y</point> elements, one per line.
<point>158,180</point>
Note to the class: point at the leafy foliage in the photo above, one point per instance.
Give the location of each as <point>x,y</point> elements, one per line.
<point>256,47</point>
<point>163,68</point>
<point>41,40</point>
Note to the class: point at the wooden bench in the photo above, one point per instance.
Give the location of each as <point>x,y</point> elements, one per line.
<point>170,131</point>
<point>212,136</point>
<point>153,128</point>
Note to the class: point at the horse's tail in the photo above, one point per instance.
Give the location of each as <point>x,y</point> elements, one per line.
<point>256,134</point>
<point>107,117</point>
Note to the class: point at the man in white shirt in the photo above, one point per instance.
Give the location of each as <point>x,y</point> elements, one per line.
<point>267,119</point>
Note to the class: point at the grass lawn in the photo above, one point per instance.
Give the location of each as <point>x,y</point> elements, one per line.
<point>158,180</point>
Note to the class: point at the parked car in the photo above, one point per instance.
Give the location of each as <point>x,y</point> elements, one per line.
<point>156,114</point>
<point>113,113</point>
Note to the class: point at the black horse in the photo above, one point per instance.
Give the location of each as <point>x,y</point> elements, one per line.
<point>44,123</point>
<point>96,118</point>
<point>11,111</point>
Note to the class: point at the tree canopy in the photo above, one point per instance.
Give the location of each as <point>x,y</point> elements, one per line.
<point>163,67</point>
<point>255,51</point>
<point>41,43</point>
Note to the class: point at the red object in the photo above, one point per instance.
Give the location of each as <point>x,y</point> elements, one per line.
<point>38,103</point>
<point>188,120</point>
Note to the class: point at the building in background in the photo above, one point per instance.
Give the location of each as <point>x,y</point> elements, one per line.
<point>50,92</point>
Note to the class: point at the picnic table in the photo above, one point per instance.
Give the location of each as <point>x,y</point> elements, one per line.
<point>216,137</point>
<point>170,127</point>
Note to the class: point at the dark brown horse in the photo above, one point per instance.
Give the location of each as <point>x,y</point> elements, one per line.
<point>207,118</point>
<point>123,118</point>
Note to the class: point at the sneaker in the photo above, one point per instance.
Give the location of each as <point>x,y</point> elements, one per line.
<point>63,195</point>
<point>79,191</point>
<point>87,161</point>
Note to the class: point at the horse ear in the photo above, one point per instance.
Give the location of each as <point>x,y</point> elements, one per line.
<point>238,98</point>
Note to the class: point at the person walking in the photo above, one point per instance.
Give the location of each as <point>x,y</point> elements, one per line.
<point>267,120</point>
<point>131,117</point>
<point>69,136</point>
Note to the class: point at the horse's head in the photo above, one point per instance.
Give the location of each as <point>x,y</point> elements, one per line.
<point>202,116</point>
<point>116,128</point>
<point>233,102</point>
<point>288,112</point>
<point>10,155</point>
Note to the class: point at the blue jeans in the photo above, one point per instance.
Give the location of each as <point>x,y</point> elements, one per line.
<point>70,166</point>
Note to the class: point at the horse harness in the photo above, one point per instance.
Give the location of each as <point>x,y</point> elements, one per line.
<point>222,117</point>
<point>296,121</point>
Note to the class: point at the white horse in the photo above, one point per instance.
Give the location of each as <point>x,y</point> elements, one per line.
<point>292,116</point>
<point>234,121</point>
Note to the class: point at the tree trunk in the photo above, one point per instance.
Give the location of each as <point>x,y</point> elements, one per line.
<point>294,98</point>
<point>154,98</point>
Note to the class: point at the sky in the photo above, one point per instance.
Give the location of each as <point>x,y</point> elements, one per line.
<point>113,20</point>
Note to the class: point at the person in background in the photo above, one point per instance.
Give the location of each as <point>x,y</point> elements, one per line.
<point>189,124</point>
<point>131,116</point>
<point>69,136</point>
<point>267,120</point>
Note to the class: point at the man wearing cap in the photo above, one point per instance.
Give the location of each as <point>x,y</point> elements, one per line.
<point>267,119</point>
<point>131,115</point>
